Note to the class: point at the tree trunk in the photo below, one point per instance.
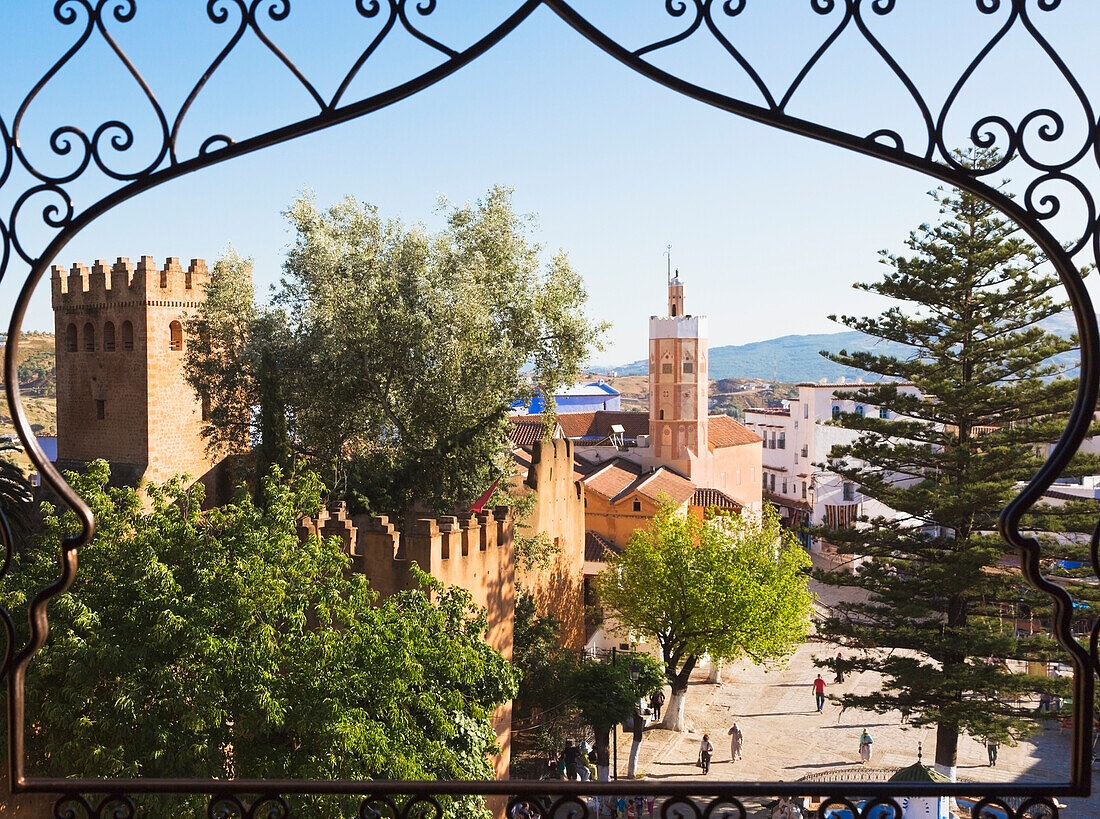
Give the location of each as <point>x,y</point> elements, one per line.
<point>947,750</point>
<point>601,749</point>
<point>635,746</point>
<point>674,709</point>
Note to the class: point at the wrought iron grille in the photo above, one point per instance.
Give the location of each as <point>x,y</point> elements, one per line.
<point>1057,161</point>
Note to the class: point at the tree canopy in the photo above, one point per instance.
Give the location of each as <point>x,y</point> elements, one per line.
<point>729,587</point>
<point>972,296</point>
<point>561,686</point>
<point>221,644</point>
<point>391,354</point>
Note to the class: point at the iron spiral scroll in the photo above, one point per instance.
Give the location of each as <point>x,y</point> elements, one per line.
<point>1054,149</point>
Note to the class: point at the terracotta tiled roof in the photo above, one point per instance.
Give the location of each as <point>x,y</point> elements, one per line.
<point>664,481</point>
<point>783,500</point>
<point>597,425</point>
<point>527,429</point>
<point>612,478</point>
<point>707,498</point>
<point>595,545</point>
<point>724,431</point>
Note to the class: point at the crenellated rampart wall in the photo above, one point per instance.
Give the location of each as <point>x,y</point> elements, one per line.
<point>473,551</point>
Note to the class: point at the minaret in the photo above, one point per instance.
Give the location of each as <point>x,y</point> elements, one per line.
<point>678,385</point>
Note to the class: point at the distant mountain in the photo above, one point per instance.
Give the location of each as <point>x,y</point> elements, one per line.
<point>798,358</point>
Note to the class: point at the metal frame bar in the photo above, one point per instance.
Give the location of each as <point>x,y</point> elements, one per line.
<point>701,18</point>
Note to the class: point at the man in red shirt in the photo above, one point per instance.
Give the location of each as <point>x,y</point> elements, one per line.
<point>819,692</point>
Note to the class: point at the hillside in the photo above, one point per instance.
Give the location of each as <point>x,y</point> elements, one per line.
<point>797,358</point>
<point>37,382</point>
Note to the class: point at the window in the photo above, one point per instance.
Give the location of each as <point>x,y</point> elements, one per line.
<point>803,490</point>
<point>784,486</point>
<point>783,440</point>
<point>689,367</point>
<point>771,440</point>
<point>100,409</point>
<point>175,336</point>
<point>661,415</point>
<point>806,410</point>
<point>859,410</point>
<point>883,413</point>
<point>849,491</point>
<point>772,482</point>
<point>805,450</point>
<point>836,412</point>
<point>637,506</point>
<point>206,412</point>
<point>764,480</point>
<point>70,338</point>
<point>666,369</point>
<point>109,336</point>
<point>737,475</point>
<point>127,336</point>
<point>89,338</point>
<point>674,311</point>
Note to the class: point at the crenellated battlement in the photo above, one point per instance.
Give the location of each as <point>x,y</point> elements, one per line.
<point>454,548</point>
<point>169,285</point>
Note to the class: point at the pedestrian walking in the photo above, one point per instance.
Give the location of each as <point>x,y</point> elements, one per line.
<point>737,739</point>
<point>819,692</point>
<point>991,748</point>
<point>656,703</point>
<point>839,673</point>
<point>570,756</point>
<point>706,750</point>
<point>586,769</point>
<point>865,744</point>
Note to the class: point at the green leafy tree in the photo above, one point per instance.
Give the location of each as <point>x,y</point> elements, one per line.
<point>607,692</point>
<point>221,644</point>
<point>972,295</point>
<point>392,353</point>
<point>16,495</point>
<point>729,587</point>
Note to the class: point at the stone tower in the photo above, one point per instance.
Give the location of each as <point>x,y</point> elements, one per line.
<point>678,385</point>
<point>120,337</point>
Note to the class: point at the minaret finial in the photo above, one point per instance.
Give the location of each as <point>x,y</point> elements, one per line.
<point>920,749</point>
<point>668,258</point>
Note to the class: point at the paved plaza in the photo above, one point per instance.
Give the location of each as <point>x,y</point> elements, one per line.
<point>786,738</point>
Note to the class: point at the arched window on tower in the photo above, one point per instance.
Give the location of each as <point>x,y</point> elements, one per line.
<point>109,336</point>
<point>674,311</point>
<point>175,333</point>
<point>89,338</point>
<point>70,339</point>
<point>127,336</point>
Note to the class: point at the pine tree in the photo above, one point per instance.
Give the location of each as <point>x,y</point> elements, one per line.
<point>973,294</point>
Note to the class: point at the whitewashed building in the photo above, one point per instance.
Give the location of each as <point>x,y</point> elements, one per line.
<point>797,441</point>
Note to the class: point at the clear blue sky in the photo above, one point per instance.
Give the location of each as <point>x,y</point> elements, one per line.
<point>768,230</point>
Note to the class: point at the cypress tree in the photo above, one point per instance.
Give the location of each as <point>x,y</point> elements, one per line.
<point>971,295</point>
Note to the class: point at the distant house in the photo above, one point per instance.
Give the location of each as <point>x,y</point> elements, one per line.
<point>587,397</point>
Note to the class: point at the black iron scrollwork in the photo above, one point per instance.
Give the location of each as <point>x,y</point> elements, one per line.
<point>1055,163</point>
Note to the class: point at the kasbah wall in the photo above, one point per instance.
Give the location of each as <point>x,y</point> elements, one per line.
<point>558,589</point>
<point>121,338</point>
<point>473,551</point>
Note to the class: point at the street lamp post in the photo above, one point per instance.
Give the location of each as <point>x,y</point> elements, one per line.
<point>614,736</point>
